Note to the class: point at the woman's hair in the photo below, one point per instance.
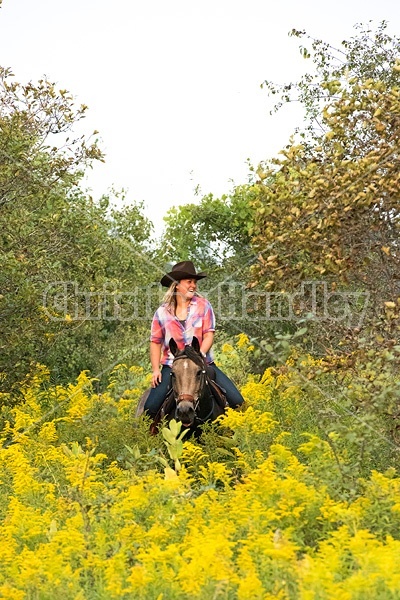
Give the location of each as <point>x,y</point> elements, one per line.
<point>170,296</point>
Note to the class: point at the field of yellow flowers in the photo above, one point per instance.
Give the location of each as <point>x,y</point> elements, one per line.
<point>272,502</point>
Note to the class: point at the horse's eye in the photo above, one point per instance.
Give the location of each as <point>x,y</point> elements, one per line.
<point>199,372</point>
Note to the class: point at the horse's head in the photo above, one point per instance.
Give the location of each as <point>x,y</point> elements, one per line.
<point>188,378</point>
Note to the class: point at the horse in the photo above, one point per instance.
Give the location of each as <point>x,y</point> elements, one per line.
<point>193,397</point>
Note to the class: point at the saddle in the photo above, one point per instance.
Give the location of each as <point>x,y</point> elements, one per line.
<point>219,394</point>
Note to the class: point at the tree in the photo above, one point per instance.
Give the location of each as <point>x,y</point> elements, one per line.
<point>329,208</point>
<point>67,261</point>
<point>210,232</point>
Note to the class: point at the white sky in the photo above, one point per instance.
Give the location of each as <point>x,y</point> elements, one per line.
<point>174,86</point>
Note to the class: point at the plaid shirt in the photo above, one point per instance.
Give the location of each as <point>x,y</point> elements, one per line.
<point>166,325</point>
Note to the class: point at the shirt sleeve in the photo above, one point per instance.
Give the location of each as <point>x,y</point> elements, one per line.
<point>156,333</point>
<point>209,318</point>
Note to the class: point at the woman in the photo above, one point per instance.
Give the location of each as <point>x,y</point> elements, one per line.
<point>183,315</point>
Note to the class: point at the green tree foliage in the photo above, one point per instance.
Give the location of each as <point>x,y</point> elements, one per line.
<point>328,211</point>
<point>212,231</point>
<point>328,208</point>
<point>60,249</point>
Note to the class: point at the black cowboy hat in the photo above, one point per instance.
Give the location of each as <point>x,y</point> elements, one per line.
<point>182,270</point>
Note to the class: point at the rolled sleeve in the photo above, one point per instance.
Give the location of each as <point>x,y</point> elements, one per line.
<point>156,333</point>
<point>208,319</point>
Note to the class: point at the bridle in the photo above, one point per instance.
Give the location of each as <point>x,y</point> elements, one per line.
<point>203,381</point>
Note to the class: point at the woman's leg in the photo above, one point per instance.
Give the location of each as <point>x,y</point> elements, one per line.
<point>233,396</point>
<point>158,394</point>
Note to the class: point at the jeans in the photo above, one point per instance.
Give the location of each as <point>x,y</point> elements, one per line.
<point>158,394</point>
<point>233,396</point>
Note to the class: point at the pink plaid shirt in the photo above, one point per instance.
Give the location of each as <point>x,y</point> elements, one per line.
<point>166,325</point>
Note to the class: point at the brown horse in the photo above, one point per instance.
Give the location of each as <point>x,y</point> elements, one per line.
<point>193,398</point>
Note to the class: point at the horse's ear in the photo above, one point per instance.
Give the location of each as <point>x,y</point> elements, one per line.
<point>195,344</point>
<point>173,347</point>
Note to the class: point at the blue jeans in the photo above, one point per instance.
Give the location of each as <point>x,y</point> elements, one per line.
<point>158,394</point>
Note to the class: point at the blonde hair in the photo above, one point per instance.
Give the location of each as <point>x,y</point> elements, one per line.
<point>170,296</point>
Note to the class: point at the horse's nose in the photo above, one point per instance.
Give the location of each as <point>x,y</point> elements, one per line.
<point>186,413</point>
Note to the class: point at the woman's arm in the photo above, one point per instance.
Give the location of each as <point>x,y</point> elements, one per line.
<point>155,355</point>
<point>207,342</point>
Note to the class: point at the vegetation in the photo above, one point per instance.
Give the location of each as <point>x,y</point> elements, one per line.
<point>329,207</point>
<point>273,503</point>
<point>297,495</point>
<point>65,257</point>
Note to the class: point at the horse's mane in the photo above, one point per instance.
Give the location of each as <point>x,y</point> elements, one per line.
<point>192,355</point>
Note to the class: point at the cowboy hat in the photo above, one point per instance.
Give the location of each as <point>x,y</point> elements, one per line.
<point>182,270</point>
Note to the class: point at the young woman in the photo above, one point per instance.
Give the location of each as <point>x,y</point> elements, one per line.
<point>183,315</point>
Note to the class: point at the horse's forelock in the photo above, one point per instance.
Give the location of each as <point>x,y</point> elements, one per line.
<point>192,355</point>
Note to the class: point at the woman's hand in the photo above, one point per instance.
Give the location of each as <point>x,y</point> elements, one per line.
<point>155,352</point>
<point>156,378</point>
